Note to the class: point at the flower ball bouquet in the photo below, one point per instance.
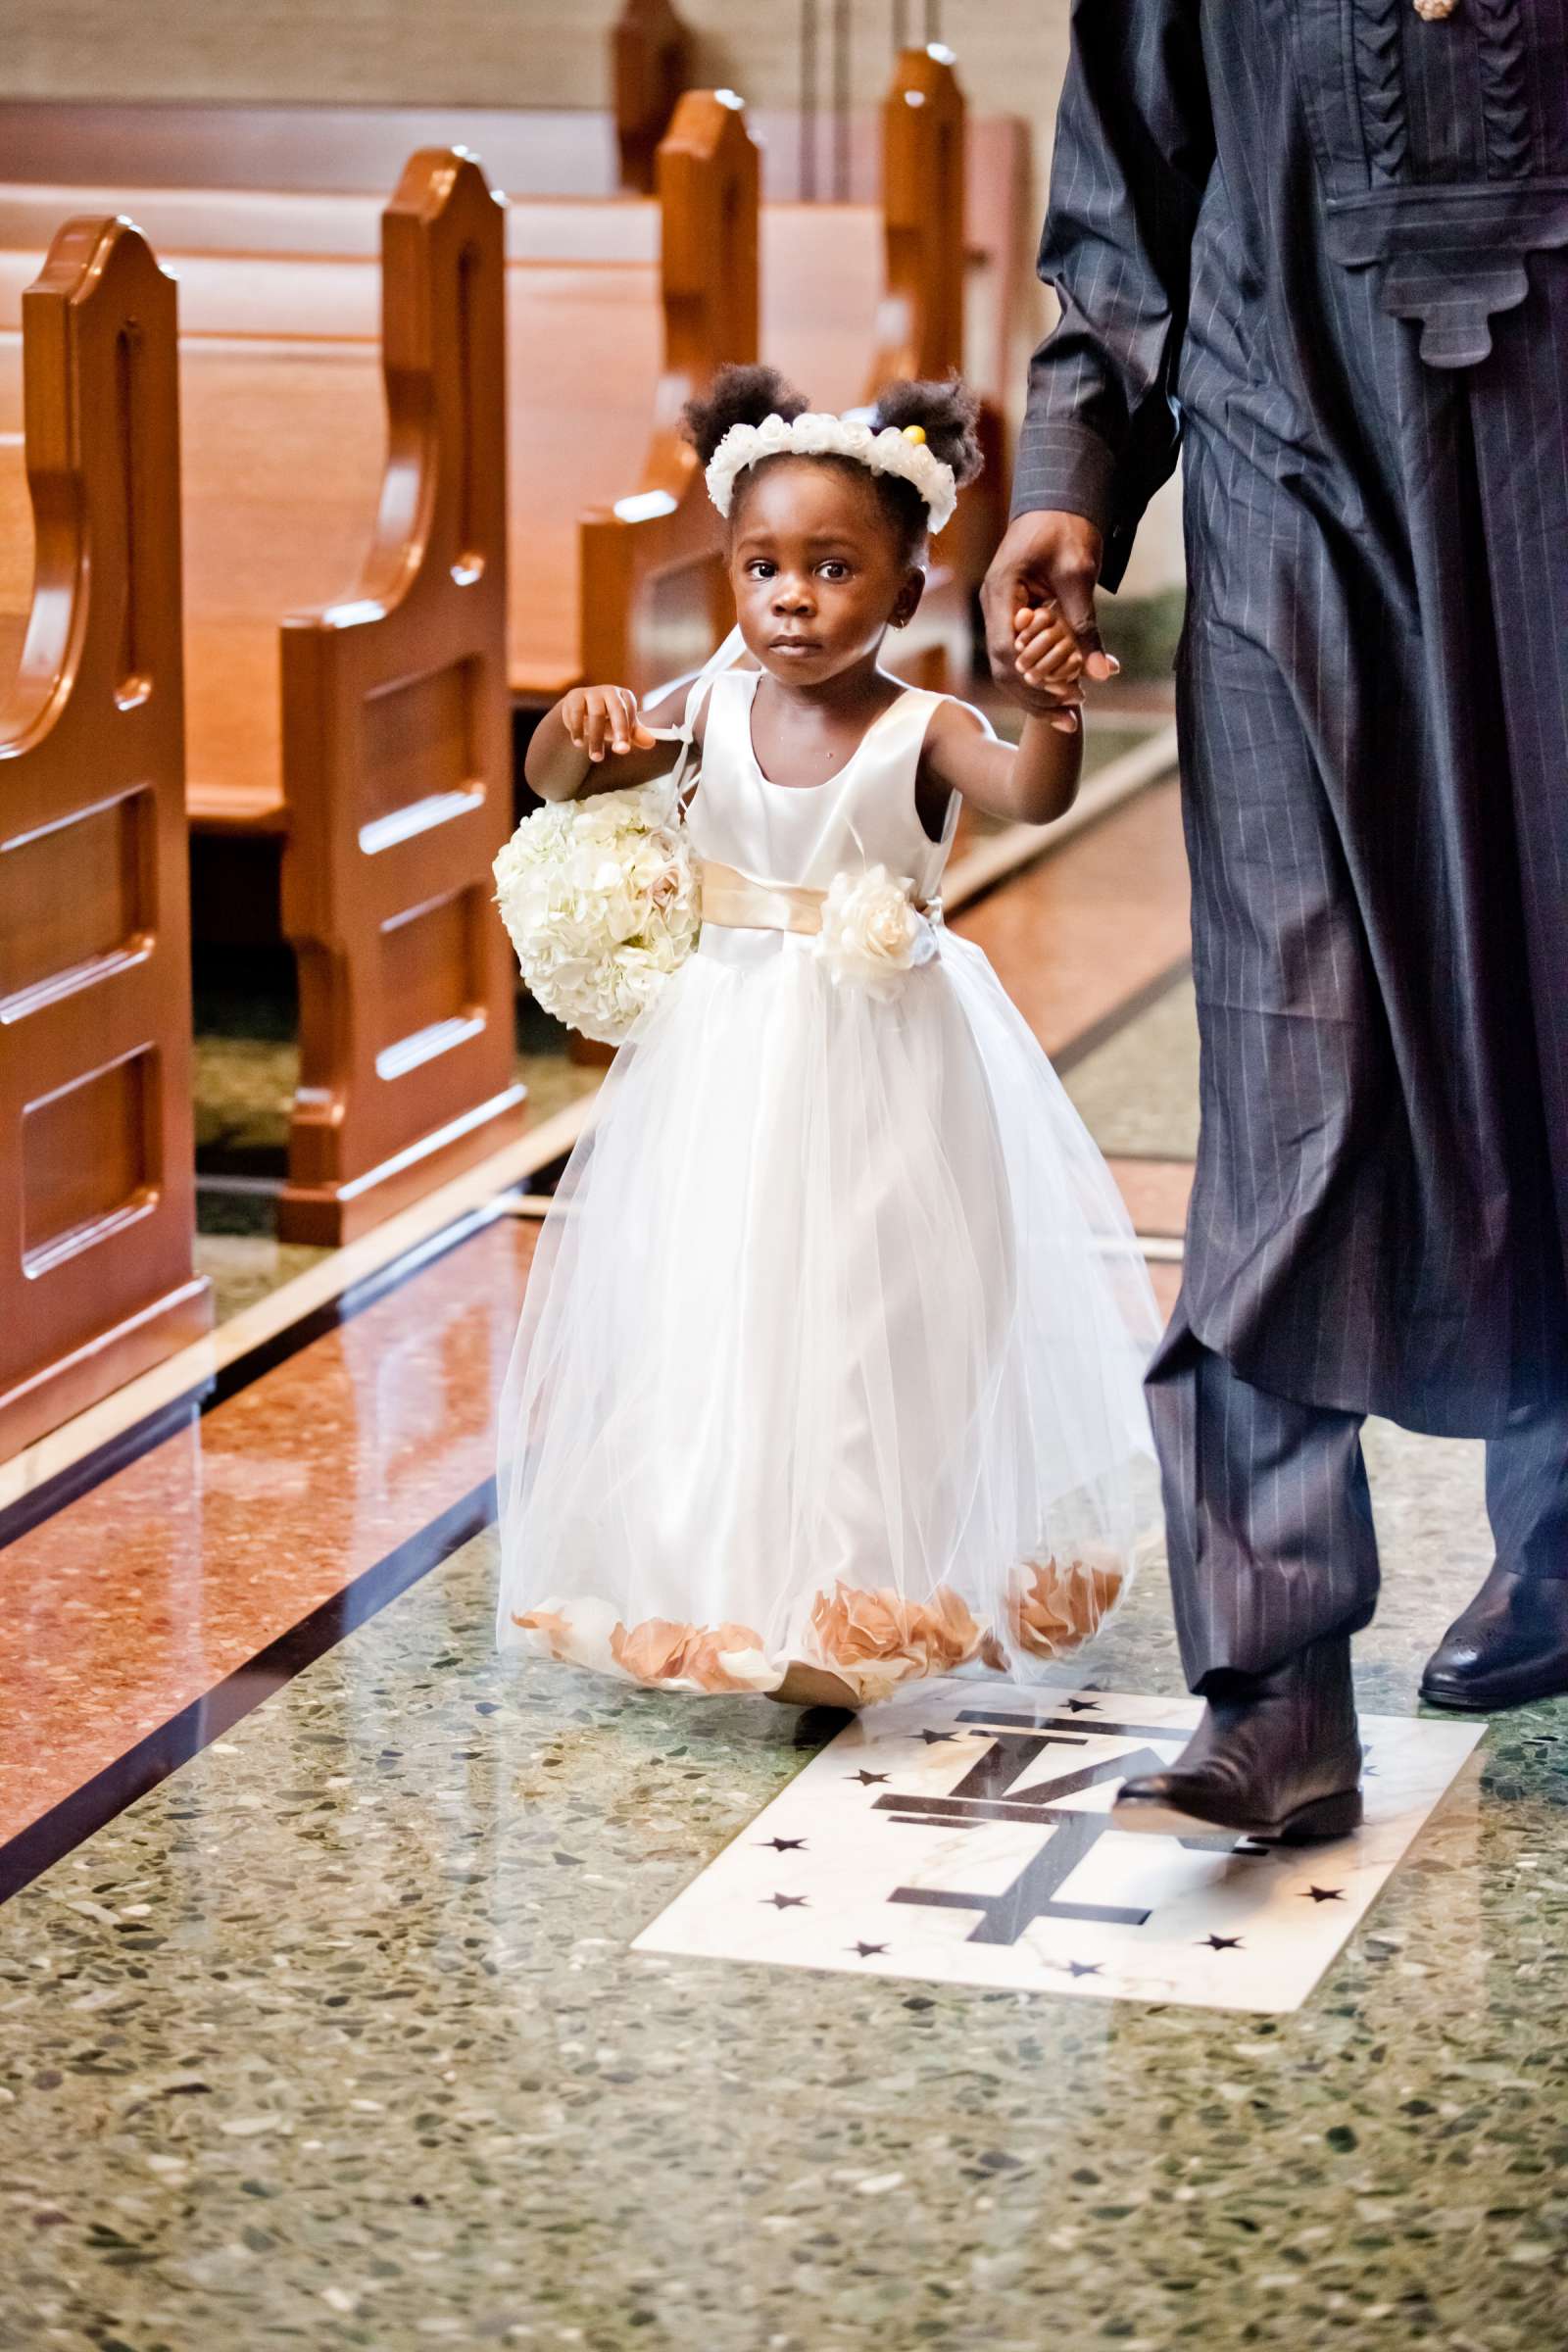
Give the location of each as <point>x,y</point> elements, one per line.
<point>600,898</point>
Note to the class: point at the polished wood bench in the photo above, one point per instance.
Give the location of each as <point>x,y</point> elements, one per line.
<point>617,311</point>
<point>345,569</point>
<point>579,151</point>
<point>97,1204</point>
<point>999,231</point>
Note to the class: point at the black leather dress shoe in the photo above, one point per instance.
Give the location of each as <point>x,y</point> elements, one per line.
<point>1509,1646</point>
<point>1277,1755</point>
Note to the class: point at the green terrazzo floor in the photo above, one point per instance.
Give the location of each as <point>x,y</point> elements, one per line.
<point>335,2040</point>
<point>1136,1093</point>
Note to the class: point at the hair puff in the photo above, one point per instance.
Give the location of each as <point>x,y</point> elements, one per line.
<point>947,415</point>
<point>739,396</point>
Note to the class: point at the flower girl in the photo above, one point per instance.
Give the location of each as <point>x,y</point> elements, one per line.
<point>829,1370</point>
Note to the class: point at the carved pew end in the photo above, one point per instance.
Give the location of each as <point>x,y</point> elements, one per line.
<point>97,1190</point>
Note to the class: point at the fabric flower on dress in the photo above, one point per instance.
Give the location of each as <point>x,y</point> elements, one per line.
<point>602,903</point>
<point>877,1640</point>
<point>873,931</point>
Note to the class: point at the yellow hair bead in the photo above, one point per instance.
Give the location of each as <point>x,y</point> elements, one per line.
<point>914,432</point>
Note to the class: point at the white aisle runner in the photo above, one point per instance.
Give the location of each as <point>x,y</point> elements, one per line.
<point>962,1835</point>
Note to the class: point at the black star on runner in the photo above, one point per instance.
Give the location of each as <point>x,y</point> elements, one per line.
<point>784,1846</point>
<point>786,1903</point>
<point>868,1951</point>
<point>932,1737</point>
<point>1222,1944</point>
<point>1085,1968</point>
<point>1083,1706</point>
<point>1324,1895</point>
<point>868,1779</point>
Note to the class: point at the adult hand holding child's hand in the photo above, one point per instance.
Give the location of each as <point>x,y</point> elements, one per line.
<point>1048,657</point>
<point>1047,558</point>
<point>605,718</point>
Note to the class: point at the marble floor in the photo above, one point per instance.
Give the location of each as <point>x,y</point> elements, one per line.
<point>335,2008</point>
<point>338,2037</point>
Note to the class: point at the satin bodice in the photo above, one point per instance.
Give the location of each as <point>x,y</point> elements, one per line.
<point>866,816</point>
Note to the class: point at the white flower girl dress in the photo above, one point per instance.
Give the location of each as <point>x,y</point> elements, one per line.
<point>829,1372</point>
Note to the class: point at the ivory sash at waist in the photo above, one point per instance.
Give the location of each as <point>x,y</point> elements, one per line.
<point>737,901</point>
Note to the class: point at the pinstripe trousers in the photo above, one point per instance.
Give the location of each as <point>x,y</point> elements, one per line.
<point>1377,816</point>
<point>1268,1515</point>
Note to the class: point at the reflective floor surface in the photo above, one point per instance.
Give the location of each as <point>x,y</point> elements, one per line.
<point>337,2038</point>
<point>320,2021</point>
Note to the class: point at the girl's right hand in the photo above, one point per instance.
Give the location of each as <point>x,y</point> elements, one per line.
<point>605,718</point>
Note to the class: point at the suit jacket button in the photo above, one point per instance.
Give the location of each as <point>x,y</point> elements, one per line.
<point>1432,12</point>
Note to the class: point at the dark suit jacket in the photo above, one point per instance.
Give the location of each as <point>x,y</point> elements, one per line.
<point>1440,153</point>
<point>1323,246</point>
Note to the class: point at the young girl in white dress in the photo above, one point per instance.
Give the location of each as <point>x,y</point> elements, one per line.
<point>829,1372</point>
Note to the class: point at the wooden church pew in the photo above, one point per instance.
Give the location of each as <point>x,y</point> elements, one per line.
<point>396,753</point>
<point>618,501</point>
<point>617,311</point>
<point>582,150</point>
<point>346,693</point>
<point>856,295</point>
<point>1000,230</point>
<point>97,1204</point>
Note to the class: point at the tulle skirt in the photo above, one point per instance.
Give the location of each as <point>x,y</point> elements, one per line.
<point>831,1357</point>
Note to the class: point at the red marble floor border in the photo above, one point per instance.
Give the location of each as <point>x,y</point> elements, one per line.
<point>143,1597</point>
<point>85,1809</point>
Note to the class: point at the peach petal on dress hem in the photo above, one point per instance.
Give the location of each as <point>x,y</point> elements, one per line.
<point>1055,1611</point>
<point>660,1652</point>
<point>555,1629</point>
<point>877,1640</point>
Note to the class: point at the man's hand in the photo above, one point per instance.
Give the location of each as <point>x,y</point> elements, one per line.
<point>1044,559</point>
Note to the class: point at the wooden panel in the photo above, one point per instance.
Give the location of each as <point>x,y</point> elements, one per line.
<point>923,209</point>
<point>824,272</point>
<point>76,895</point>
<point>277,222</point>
<point>422,754</point>
<point>431,980</point>
<point>96,1180</point>
<point>89,1160</point>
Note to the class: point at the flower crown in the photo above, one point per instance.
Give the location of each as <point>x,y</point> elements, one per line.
<point>890,450</point>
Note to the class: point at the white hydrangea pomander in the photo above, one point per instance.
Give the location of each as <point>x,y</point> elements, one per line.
<point>892,449</point>
<point>601,901</point>
<point>873,931</point>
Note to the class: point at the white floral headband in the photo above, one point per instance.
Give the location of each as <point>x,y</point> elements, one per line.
<point>891,450</point>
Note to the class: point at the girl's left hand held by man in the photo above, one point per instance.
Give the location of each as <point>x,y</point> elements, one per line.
<point>1049,659</point>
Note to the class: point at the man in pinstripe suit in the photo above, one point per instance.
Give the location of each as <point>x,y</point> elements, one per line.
<point>1324,245</point>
